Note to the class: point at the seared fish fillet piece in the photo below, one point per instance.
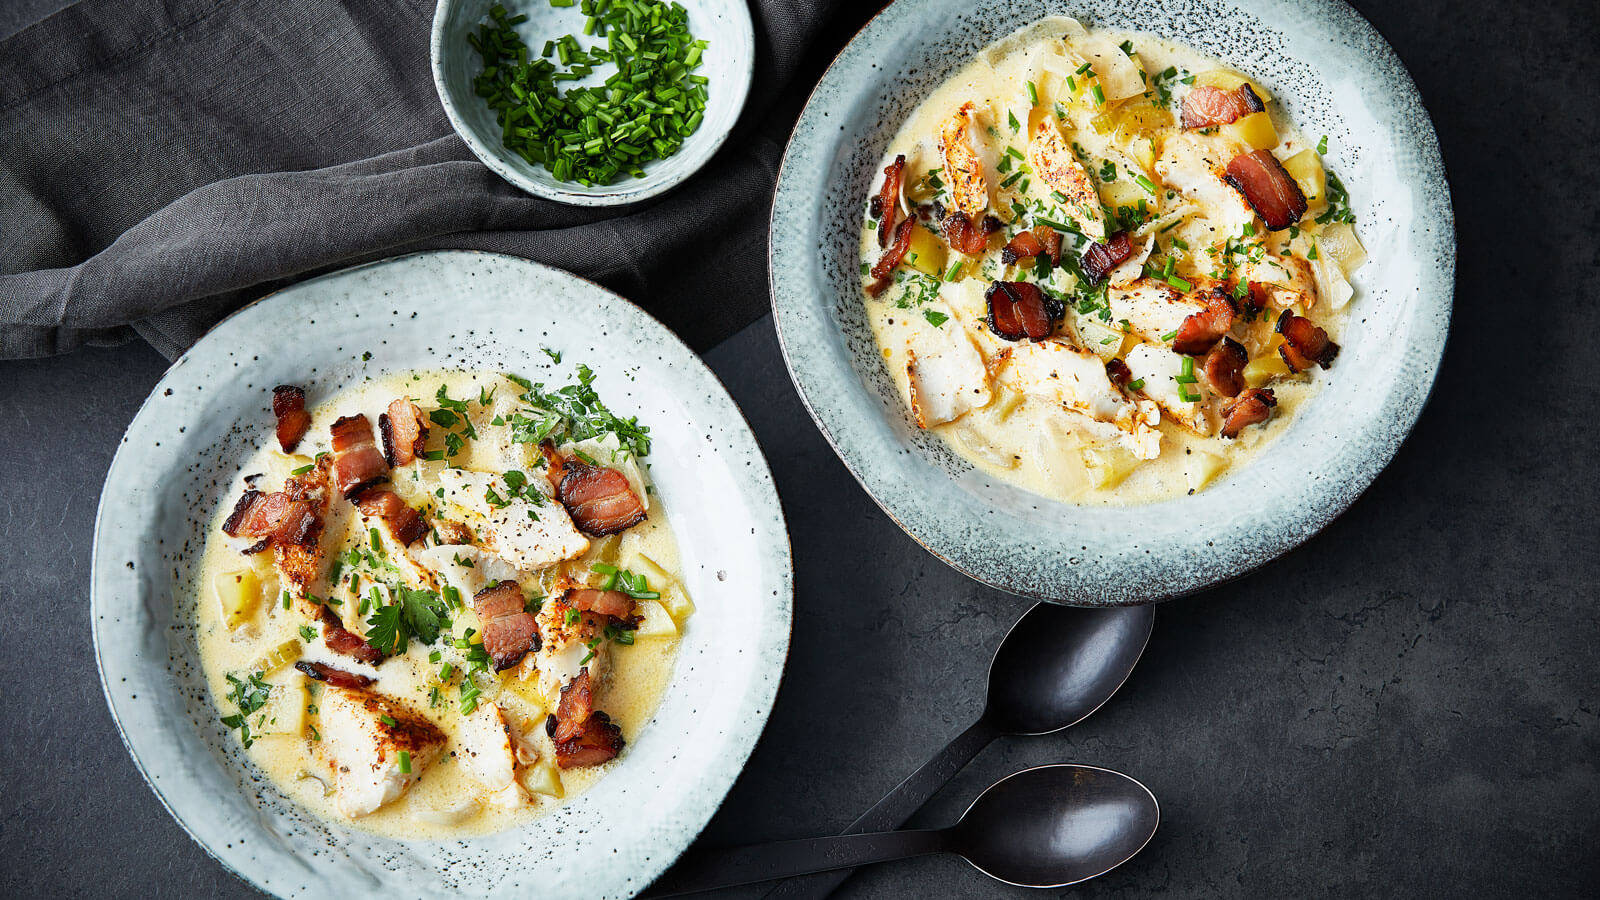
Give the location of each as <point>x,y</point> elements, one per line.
<point>945,374</point>
<point>963,166</point>
<point>1153,309</point>
<point>1076,380</point>
<point>1193,165</point>
<point>1054,162</point>
<point>1159,368</point>
<point>378,748</point>
<point>528,535</point>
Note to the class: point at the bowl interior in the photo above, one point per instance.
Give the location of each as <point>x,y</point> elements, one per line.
<point>727,64</point>
<point>1334,75</point>
<point>185,446</point>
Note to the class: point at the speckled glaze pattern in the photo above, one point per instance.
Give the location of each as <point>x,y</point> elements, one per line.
<point>440,310</point>
<point>728,63</point>
<point>1334,75</point>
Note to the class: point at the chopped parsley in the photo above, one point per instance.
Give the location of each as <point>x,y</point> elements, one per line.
<point>247,696</point>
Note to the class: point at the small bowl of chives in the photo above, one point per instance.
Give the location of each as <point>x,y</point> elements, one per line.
<point>593,102</point>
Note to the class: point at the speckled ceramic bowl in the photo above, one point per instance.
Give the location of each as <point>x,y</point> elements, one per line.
<point>728,63</point>
<point>1335,75</point>
<point>440,310</point>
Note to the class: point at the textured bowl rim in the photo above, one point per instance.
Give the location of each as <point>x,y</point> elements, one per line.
<point>1012,579</point>
<point>576,194</point>
<point>762,476</point>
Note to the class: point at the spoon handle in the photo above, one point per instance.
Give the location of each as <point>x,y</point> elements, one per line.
<point>897,806</point>
<point>711,869</point>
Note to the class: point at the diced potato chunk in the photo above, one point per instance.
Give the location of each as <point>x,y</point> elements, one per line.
<point>1306,169</point>
<point>1339,242</point>
<point>1108,464</point>
<point>1122,192</point>
<point>1264,368</point>
<point>927,252</point>
<point>285,711</point>
<point>1104,338</point>
<point>278,657</point>
<point>676,601</point>
<point>1200,467</point>
<point>1004,404</point>
<point>1227,80</point>
<point>238,596</point>
<point>1255,130</point>
<point>542,778</point>
<point>658,623</point>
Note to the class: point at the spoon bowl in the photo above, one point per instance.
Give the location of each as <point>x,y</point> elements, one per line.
<point>1052,826</point>
<point>1058,664</point>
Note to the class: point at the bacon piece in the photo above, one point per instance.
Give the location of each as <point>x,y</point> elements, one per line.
<point>1023,245</point>
<point>883,272</point>
<point>1225,367</point>
<point>1018,309</point>
<point>583,735</point>
<point>403,522</point>
<point>357,464</point>
<point>337,677</point>
<point>1100,259</point>
<point>1253,406</point>
<point>886,205</point>
<point>1201,330</point>
<point>577,702</point>
<point>509,630</point>
<point>555,464</point>
<point>1051,239</point>
<point>600,500</point>
<point>289,407</point>
<point>615,604</point>
<point>1304,344</point>
<point>1208,107</point>
<point>275,517</point>
<point>299,554</point>
<point>345,642</point>
<point>965,237</point>
<point>1118,372</point>
<point>1268,187</point>
<point>403,432</point>
<point>600,740</point>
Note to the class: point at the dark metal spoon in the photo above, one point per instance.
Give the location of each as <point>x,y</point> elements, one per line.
<point>1057,665</point>
<point>1046,827</point>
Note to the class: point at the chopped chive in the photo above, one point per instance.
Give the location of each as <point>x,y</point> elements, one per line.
<point>1170,335</point>
<point>405,756</point>
<point>1136,384</point>
<point>955,269</point>
<point>1099,96</point>
<point>1033,94</point>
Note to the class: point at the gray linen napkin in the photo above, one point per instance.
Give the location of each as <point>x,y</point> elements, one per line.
<point>164,161</point>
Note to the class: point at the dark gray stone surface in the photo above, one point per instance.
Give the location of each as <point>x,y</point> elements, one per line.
<point>1407,706</point>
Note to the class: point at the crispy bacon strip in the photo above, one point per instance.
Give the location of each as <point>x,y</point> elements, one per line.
<point>509,630</point>
<point>885,206</point>
<point>1200,331</point>
<point>275,517</point>
<point>1253,407</point>
<point>1208,107</point>
<point>600,740</point>
<point>968,238</point>
<point>600,500</point>
<point>615,604</point>
<point>404,523</point>
<point>1268,187</point>
<point>555,464</point>
<point>1304,344</point>
<point>345,642</point>
<point>1100,259</point>
<point>289,407</point>
<point>337,677</point>
<point>357,464</point>
<point>1022,246</point>
<point>883,272</point>
<point>1018,309</point>
<point>1225,367</point>
<point>300,561</point>
<point>403,432</point>
<point>583,735</point>
<point>1051,239</point>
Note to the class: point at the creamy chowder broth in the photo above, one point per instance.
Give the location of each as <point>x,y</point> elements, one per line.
<point>466,640</point>
<point>1105,267</point>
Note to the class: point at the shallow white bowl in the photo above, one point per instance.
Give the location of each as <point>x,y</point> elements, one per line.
<point>1334,75</point>
<point>728,63</point>
<point>440,310</point>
